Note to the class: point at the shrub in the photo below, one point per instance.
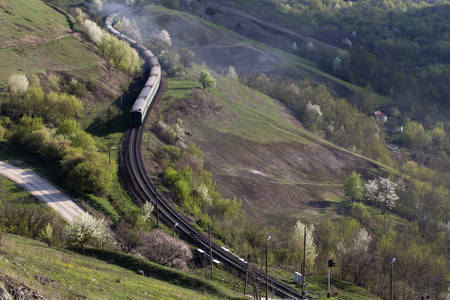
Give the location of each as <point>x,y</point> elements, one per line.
<point>211,11</point>
<point>77,88</point>
<point>34,141</point>
<point>171,152</point>
<point>53,149</point>
<point>87,172</point>
<point>27,125</point>
<point>24,220</point>
<point>165,250</point>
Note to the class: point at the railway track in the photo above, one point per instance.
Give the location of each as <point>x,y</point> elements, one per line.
<point>143,188</point>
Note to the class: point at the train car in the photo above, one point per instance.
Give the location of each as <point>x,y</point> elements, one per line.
<point>151,81</point>
<point>145,98</point>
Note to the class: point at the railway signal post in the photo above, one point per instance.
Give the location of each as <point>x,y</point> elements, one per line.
<point>330,265</point>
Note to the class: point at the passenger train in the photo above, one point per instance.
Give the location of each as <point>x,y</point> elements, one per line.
<point>145,97</point>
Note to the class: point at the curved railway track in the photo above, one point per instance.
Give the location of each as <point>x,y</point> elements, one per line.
<point>143,188</point>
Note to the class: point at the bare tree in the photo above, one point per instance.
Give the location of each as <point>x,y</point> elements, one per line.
<point>127,237</point>
<point>186,57</point>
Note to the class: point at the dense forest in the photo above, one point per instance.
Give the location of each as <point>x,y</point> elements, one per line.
<point>400,49</point>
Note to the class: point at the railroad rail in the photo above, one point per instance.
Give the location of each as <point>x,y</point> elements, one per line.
<point>143,188</point>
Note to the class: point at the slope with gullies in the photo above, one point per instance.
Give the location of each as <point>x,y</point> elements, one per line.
<point>253,145</point>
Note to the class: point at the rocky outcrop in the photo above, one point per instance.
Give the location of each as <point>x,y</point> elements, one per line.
<point>11,288</point>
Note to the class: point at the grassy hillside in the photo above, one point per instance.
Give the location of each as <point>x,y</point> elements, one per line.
<point>220,47</point>
<point>62,274</point>
<point>36,38</point>
<point>25,22</point>
<point>258,152</point>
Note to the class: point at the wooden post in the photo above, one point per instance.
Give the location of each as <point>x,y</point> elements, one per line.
<point>304,263</point>
<point>246,275</point>
<point>210,254</point>
<point>267,270</point>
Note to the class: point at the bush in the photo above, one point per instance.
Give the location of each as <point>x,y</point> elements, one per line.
<point>165,250</point>
<point>53,149</point>
<point>77,88</point>
<point>23,220</point>
<point>87,172</point>
<point>173,153</point>
<point>35,140</point>
<point>27,125</point>
<point>211,11</point>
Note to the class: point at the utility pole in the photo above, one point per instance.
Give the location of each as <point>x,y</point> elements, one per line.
<point>304,267</point>
<point>392,276</point>
<point>173,229</point>
<point>109,152</point>
<point>246,275</point>
<point>157,210</point>
<point>267,271</point>
<point>210,254</point>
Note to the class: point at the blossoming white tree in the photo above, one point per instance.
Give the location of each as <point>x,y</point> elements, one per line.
<point>146,212</point>
<point>85,228</point>
<point>298,240</point>
<point>18,84</point>
<point>232,74</point>
<point>382,191</point>
<point>93,31</point>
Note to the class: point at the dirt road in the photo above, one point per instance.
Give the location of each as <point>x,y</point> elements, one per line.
<point>43,190</point>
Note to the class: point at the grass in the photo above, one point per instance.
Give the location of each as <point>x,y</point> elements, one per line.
<point>66,55</point>
<point>26,20</point>
<point>74,275</point>
<point>317,287</point>
<point>39,39</point>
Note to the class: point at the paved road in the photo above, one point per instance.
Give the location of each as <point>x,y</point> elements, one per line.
<point>43,190</point>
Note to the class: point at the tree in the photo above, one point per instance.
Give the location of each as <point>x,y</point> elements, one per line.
<point>93,31</point>
<point>65,106</point>
<point>127,237</point>
<point>26,126</point>
<point>146,212</point>
<point>353,186</point>
<point>298,241</point>
<point>87,229</point>
<point>47,234</point>
<point>165,250</point>
<point>87,172</point>
<point>186,57</point>
<point>356,259</point>
<point>17,84</point>
<point>109,114</point>
<point>207,80</point>
<point>232,74</point>
<point>382,191</point>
